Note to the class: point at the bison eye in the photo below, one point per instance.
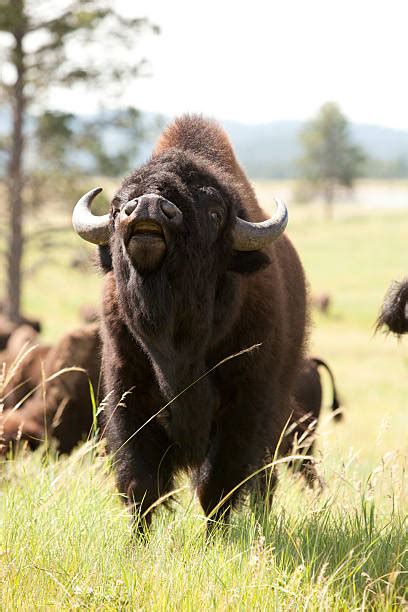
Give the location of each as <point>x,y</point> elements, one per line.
<point>216,217</point>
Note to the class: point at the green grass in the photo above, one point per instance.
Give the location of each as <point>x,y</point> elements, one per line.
<point>65,539</point>
<point>66,542</point>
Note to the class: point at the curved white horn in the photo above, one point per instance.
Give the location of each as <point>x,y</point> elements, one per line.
<point>92,228</point>
<point>249,236</point>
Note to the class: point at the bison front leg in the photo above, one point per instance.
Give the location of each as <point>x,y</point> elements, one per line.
<point>142,454</point>
<point>230,470</point>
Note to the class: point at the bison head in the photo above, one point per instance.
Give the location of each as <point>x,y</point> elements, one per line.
<point>146,217</point>
<point>178,222</point>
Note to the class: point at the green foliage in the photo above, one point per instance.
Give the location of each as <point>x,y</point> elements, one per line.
<point>79,147</point>
<point>65,150</point>
<point>93,140</point>
<point>330,160</point>
<point>50,28</point>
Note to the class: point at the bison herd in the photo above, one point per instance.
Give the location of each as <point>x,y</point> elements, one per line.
<point>199,352</point>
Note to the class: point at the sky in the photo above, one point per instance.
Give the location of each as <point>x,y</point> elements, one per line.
<point>260,61</point>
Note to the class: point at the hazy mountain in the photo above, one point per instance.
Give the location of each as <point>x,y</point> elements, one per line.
<point>270,150</point>
<point>266,150</point>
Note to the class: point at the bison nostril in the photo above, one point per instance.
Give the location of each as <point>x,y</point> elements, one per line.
<point>130,207</point>
<point>169,209</point>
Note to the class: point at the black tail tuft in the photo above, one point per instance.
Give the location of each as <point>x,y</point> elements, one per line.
<point>394,311</point>
<point>338,416</point>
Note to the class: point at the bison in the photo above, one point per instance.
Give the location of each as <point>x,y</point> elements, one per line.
<point>321,302</point>
<point>394,311</point>
<point>203,324</point>
<point>23,359</point>
<point>308,397</point>
<point>7,327</point>
<point>61,407</point>
<point>308,388</point>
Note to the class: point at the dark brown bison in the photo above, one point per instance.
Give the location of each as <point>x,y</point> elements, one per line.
<point>23,359</point>
<point>7,327</point>
<point>194,275</point>
<point>61,407</point>
<point>394,311</point>
<point>20,339</point>
<point>308,396</point>
<point>308,388</point>
<point>321,302</point>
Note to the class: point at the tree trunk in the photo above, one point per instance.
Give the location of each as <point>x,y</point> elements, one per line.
<point>15,182</point>
<point>329,199</point>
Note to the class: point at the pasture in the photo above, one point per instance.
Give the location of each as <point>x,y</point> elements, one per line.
<point>65,539</point>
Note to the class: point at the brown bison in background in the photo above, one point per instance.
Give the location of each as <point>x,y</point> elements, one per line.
<point>7,327</point>
<point>308,395</point>
<point>194,275</point>
<point>321,302</point>
<point>60,408</point>
<point>308,388</point>
<point>394,311</point>
<point>23,360</point>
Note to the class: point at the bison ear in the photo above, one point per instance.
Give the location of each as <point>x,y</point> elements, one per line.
<point>105,258</point>
<point>249,262</point>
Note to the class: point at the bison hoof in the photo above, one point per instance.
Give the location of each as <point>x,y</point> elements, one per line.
<point>139,503</point>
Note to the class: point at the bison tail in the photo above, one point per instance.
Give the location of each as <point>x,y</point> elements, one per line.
<point>335,405</point>
<point>394,311</point>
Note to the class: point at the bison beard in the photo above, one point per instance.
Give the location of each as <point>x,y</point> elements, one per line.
<point>182,294</point>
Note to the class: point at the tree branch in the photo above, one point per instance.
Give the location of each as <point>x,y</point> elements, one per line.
<point>51,22</point>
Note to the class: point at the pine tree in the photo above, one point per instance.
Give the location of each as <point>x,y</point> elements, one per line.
<point>39,55</point>
<point>330,160</point>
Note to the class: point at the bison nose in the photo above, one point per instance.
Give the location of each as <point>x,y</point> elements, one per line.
<point>130,207</point>
<point>169,209</point>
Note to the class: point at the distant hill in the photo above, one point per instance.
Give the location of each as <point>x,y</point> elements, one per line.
<point>270,150</point>
<point>266,150</point>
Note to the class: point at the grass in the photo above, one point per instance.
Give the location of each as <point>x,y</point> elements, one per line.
<point>65,537</point>
<point>66,543</point>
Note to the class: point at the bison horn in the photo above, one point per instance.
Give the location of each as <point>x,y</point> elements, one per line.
<point>248,236</point>
<point>92,228</point>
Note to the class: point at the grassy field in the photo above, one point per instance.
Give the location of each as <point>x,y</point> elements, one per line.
<point>65,540</point>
